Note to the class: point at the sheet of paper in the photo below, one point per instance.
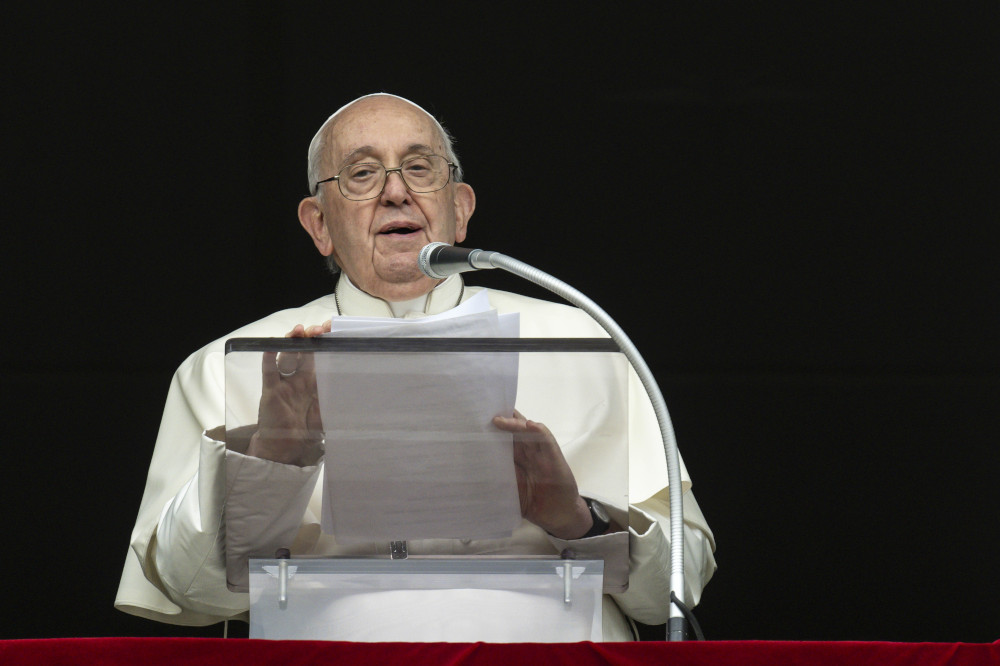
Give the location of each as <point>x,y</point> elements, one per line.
<point>411,452</point>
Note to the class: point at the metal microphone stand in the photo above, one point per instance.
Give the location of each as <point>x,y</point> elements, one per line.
<point>677,624</point>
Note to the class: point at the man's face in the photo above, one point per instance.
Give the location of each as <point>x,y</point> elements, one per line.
<point>376,242</point>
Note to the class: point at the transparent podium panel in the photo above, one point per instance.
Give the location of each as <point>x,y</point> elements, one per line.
<point>351,447</point>
<point>427,600</point>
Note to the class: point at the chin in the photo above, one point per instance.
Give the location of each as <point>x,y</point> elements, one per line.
<point>400,269</point>
<point>404,282</point>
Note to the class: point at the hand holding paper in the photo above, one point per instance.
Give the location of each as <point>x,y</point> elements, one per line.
<point>545,483</point>
<point>289,425</point>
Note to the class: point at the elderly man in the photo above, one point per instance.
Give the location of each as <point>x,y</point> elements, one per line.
<point>385,181</point>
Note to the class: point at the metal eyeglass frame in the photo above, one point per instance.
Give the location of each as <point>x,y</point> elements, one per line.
<point>385,178</point>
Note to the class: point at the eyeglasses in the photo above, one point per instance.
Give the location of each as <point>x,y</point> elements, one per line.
<point>360,182</point>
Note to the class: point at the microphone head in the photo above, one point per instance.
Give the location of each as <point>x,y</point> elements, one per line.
<point>427,254</point>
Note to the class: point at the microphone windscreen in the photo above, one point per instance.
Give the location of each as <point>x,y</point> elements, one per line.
<point>439,260</point>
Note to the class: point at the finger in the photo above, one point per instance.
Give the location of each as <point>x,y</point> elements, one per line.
<point>528,431</point>
<point>305,376</point>
<point>540,428</point>
<point>269,369</point>
<point>509,424</point>
<point>298,332</point>
<point>318,330</point>
<point>306,362</point>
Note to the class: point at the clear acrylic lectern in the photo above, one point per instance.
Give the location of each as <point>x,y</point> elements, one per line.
<point>408,527</point>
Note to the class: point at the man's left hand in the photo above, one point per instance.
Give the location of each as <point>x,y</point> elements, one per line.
<point>545,483</point>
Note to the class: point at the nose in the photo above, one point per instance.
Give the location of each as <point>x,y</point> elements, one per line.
<point>395,190</point>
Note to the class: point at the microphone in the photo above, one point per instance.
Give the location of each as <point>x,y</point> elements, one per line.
<point>439,260</point>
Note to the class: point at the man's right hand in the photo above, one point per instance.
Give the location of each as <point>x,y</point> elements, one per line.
<point>289,427</point>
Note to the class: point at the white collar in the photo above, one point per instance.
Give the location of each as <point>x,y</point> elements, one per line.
<point>352,301</point>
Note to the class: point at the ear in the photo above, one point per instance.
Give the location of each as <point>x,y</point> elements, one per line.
<point>465,205</point>
<point>312,220</point>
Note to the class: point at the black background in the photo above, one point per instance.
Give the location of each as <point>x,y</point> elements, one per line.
<point>793,213</point>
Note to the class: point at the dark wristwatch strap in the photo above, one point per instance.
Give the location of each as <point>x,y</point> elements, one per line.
<point>600,516</point>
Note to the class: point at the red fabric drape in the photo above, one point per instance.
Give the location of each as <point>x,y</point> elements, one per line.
<point>197,651</point>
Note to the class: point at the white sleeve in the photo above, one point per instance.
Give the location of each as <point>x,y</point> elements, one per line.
<point>265,503</point>
<point>259,510</point>
<point>647,598</point>
<point>175,570</point>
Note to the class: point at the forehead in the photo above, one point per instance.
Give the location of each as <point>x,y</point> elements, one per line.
<point>381,128</point>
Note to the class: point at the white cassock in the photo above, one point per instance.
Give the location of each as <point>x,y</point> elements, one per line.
<point>175,570</point>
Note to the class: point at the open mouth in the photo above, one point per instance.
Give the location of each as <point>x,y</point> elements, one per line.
<point>400,230</point>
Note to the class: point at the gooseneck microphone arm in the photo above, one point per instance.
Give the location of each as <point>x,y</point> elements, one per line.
<point>439,260</point>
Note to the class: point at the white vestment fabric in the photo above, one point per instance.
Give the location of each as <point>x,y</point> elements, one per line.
<point>175,570</point>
